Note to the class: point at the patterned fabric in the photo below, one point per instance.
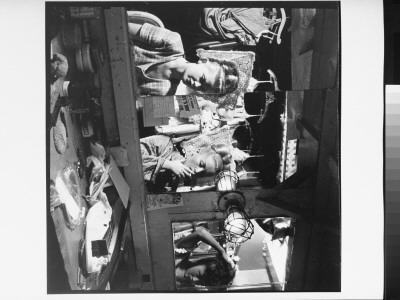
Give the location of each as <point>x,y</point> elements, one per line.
<point>291,158</point>
<point>155,150</point>
<point>282,154</point>
<point>160,201</point>
<point>221,135</point>
<point>156,45</point>
<point>245,61</point>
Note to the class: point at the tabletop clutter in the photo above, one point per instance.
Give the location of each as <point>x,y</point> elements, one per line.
<point>76,90</point>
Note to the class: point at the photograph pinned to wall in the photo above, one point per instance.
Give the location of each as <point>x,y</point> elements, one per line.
<point>206,259</point>
<point>161,201</point>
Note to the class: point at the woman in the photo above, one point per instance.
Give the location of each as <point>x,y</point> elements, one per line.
<point>214,271</point>
<point>161,66</point>
<point>164,167</point>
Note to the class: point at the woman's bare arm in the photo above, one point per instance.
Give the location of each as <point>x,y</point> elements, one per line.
<point>200,235</point>
<point>203,235</point>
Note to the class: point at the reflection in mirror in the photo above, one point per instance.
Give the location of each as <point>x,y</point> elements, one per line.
<point>192,99</point>
<point>249,145</point>
<point>206,260</point>
<point>215,82</point>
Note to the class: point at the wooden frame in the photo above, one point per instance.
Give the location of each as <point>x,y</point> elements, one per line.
<point>204,206</point>
<point>117,34</point>
<point>152,229</point>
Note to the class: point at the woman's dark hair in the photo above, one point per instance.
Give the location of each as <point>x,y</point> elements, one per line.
<point>229,76</point>
<point>243,136</point>
<point>218,273</point>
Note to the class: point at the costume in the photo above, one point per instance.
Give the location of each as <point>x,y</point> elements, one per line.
<point>156,45</point>
<point>238,23</point>
<point>194,268</point>
<point>155,150</point>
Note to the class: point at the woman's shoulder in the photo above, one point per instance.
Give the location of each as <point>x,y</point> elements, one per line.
<point>171,39</point>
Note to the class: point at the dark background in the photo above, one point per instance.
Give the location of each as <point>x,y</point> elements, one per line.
<point>392,41</point>
<point>392,209</point>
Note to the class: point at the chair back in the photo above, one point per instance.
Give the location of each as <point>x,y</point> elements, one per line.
<point>141,17</point>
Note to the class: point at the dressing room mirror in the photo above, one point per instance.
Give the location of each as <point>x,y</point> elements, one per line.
<point>263,145</point>
<point>260,263</point>
<point>220,84</point>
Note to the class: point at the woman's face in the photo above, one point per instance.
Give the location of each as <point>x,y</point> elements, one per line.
<point>206,163</point>
<point>206,272</point>
<point>202,77</point>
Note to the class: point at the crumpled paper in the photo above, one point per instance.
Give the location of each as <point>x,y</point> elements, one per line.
<point>98,178</point>
<point>69,193</point>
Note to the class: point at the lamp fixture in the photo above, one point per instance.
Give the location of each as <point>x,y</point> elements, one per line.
<point>227,180</point>
<point>237,225</point>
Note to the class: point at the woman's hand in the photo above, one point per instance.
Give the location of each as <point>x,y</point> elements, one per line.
<point>178,168</point>
<point>239,155</point>
<point>228,260</point>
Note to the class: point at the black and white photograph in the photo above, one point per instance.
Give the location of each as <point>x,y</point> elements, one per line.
<point>193,147</point>
<point>226,149</point>
<point>206,258</point>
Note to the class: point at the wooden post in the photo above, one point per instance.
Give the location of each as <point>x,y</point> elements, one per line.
<point>326,208</point>
<point>121,69</point>
<point>323,266</point>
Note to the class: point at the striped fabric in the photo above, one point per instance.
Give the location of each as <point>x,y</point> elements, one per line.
<point>156,45</point>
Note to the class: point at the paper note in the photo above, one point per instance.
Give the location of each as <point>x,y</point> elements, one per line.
<point>159,201</point>
<point>163,106</point>
<point>188,105</point>
<point>149,118</point>
<point>291,158</point>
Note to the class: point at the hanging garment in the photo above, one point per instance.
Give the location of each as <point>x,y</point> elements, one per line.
<point>243,24</point>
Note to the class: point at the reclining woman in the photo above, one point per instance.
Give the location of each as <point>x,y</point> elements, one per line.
<point>164,167</point>
<point>160,65</point>
<point>214,271</point>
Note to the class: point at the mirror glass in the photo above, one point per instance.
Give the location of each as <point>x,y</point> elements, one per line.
<point>202,254</point>
<point>204,79</point>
